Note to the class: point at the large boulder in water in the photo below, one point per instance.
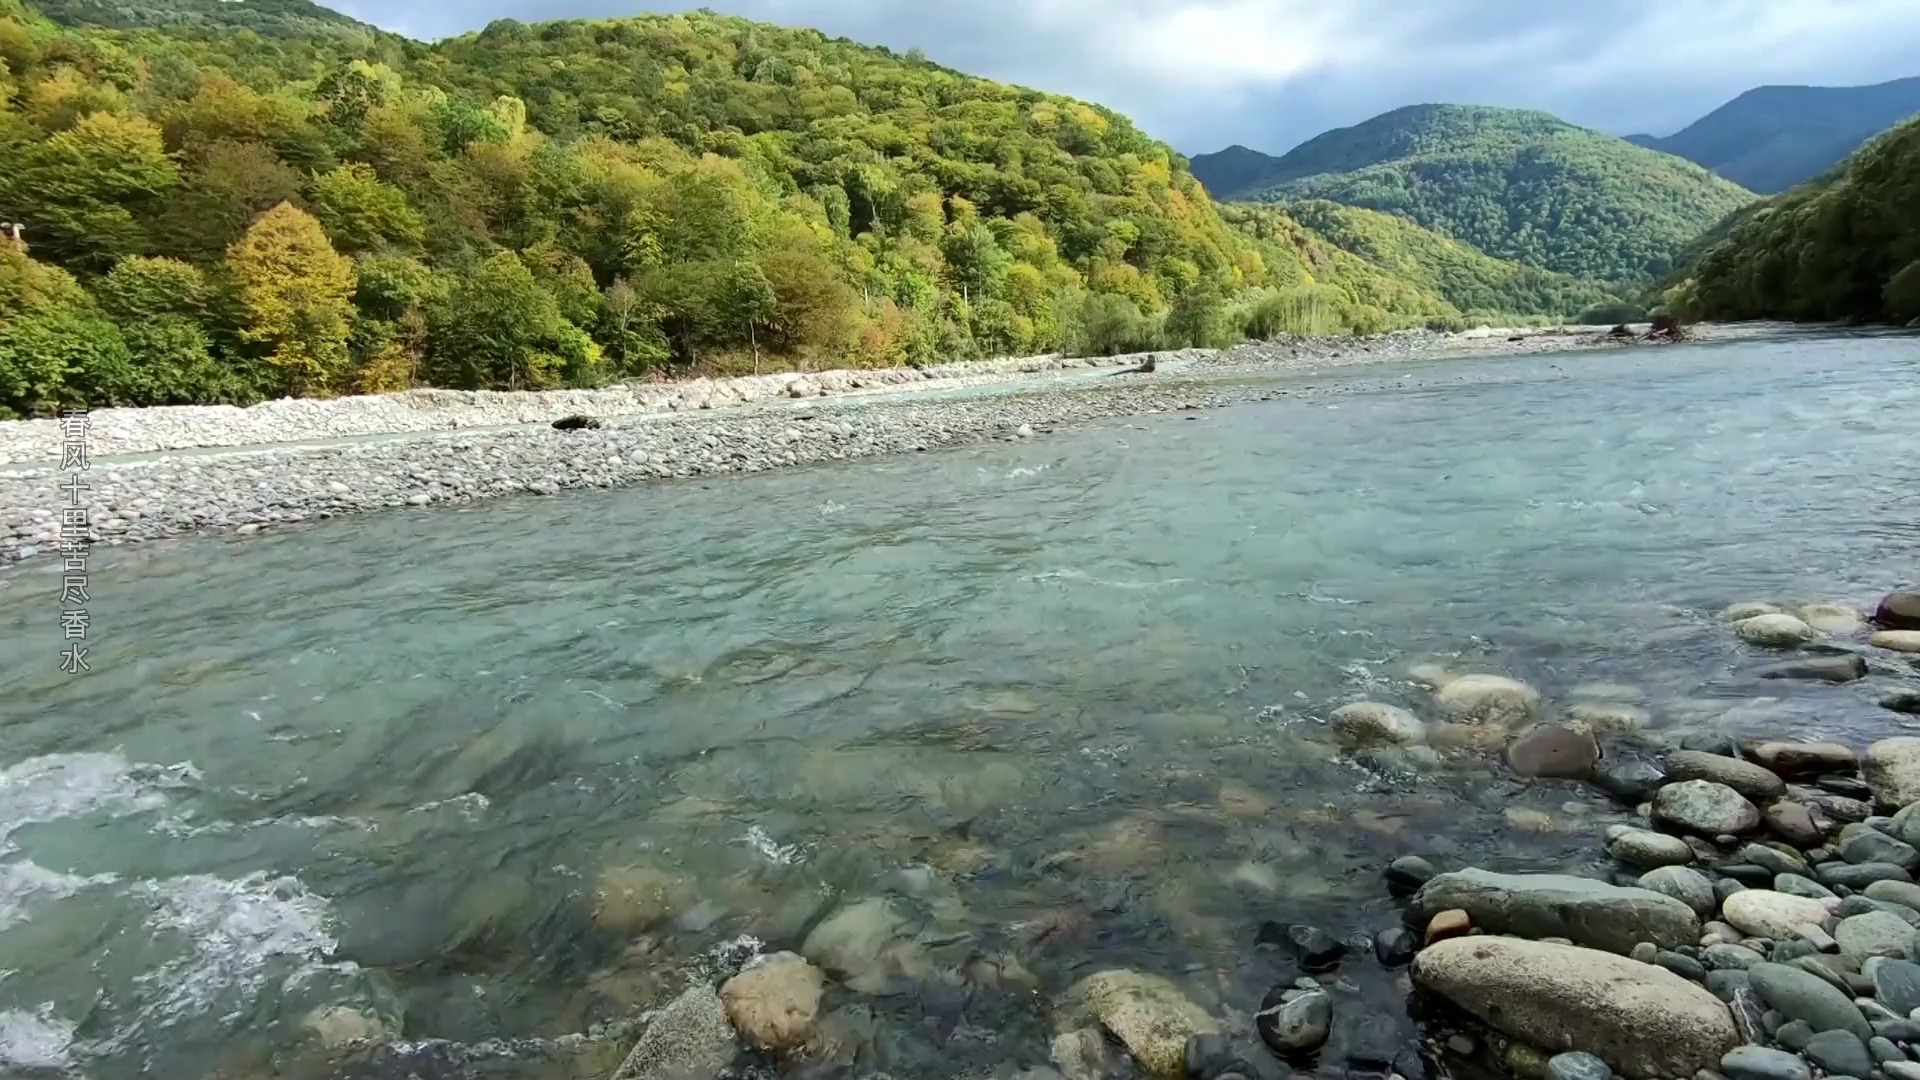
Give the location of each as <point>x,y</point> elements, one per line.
<point>1148,1014</point>
<point>1584,911</point>
<point>1892,770</point>
<point>1898,611</point>
<point>1643,1020</point>
<point>1907,641</point>
<point>775,1003</point>
<point>1489,699</point>
<point>1706,808</point>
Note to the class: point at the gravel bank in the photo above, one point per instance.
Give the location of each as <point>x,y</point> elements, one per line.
<point>246,491</point>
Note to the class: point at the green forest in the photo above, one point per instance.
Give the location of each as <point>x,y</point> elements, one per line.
<point>1844,247</point>
<point>227,202</point>
<point>1517,184</point>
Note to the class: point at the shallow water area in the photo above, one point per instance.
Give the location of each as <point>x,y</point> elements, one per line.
<point>472,781</point>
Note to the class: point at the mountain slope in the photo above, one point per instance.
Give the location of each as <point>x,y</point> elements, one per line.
<point>1773,137</point>
<point>1227,173</point>
<point>1518,184</point>
<point>1846,246</point>
<point>268,18</point>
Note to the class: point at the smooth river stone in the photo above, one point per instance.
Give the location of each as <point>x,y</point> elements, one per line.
<point>1647,849</point>
<point>1802,995</point>
<point>1149,1015</point>
<point>1748,609</point>
<point>1832,669</point>
<point>1370,723</point>
<point>1489,699</point>
<point>1769,914</point>
<point>1892,770</point>
<point>1706,808</point>
<point>1904,893</point>
<point>1756,783</point>
<point>1763,1063</point>
<point>1835,619</point>
<point>1896,983</point>
<point>1777,631</point>
<point>1875,933</point>
<point>1584,911</point>
<point>1906,641</point>
<point>1554,751</point>
<point>1685,884</point>
<point>1839,1053</point>
<point>1898,611</point>
<point>1869,845</point>
<point>1806,759</point>
<point>1644,1021</point>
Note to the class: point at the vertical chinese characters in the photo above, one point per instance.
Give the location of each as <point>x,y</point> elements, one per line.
<point>75,534</point>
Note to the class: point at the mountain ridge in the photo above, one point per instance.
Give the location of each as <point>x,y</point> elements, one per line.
<point>1770,138</point>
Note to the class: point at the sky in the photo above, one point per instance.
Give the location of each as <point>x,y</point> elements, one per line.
<point>1203,74</point>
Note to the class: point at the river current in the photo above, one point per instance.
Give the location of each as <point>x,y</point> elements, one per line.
<point>495,775</point>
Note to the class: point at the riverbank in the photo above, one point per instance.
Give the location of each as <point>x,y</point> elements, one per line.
<point>688,430</point>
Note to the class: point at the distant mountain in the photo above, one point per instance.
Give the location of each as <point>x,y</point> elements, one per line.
<point>1227,173</point>
<point>1518,184</point>
<point>1774,137</point>
<point>1844,246</point>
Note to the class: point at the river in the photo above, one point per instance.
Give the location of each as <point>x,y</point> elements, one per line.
<point>1059,700</point>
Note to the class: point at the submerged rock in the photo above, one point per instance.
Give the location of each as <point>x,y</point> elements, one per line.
<point>688,1040</point>
<point>775,1004</point>
<point>1834,669</point>
<point>1892,770</point>
<point>1748,609</point>
<point>1294,1025</point>
<point>1644,1021</point>
<point>1903,700</point>
<point>1148,1014</point>
<point>1489,699</point>
<point>1776,631</point>
<point>1836,619</point>
<point>1631,780</point>
<point>863,943</point>
<point>1805,759</point>
<point>1586,912</point>
<point>1369,723</point>
<point>1553,751</point>
<point>1705,808</point>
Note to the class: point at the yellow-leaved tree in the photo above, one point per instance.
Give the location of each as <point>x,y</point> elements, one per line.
<point>297,296</point>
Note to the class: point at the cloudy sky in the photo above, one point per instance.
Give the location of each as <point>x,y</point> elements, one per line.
<point>1269,73</point>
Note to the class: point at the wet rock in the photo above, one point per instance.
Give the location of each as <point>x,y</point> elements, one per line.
<point>1777,631</point>
<point>1395,946</point>
<point>1629,779</point>
<point>1489,699</point>
<point>1905,641</point>
<point>1873,846</point>
<point>1836,619</point>
<point>1553,751</point>
<point>1875,933</point>
<point>1407,873</point>
<point>1451,923</point>
<point>775,1003</point>
<point>1148,1014</point>
<point>1851,786</point>
<point>1791,822</point>
<point>336,1027</point>
<point>1805,759</point>
<point>1898,611</point>
<point>1753,781</point>
<point>1366,724</point>
<point>1577,1066</point>
<point>1524,1062</point>
<point>1892,770</point>
<point>1296,1026</point>
<point>1705,808</point>
<point>1765,913</point>
<point>1587,912</point>
<point>1859,875</point>
<point>1763,1063</point>
<point>688,1040</point>
<point>1686,885</point>
<point>1644,1021</point>
<point>1314,948</point>
<point>1647,849</point>
<point>631,899</point>
<point>1709,742</point>
<point>1831,669</point>
<point>1217,1057</point>
<point>1724,956</point>
<point>1795,885</point>
<point>1748,609</point>
<point>1896,983</point>
<point>1904,893</point>
<point>1608,717</point>
<point>1775,860</point>
<point>864,945</point>
<point>1801,995</point>
<point>1903,700</point>
<point>1839,1053</point>
<point>1085,1054</point>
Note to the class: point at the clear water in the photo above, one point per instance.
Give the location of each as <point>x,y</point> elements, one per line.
<point>1057,700</point>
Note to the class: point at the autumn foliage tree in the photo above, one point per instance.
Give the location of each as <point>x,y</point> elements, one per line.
<point>296,293</point>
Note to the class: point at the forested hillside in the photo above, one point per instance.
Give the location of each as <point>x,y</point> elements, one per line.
<point>1773,137</point>
<point>1517,184</point>
<point>1846,247</point>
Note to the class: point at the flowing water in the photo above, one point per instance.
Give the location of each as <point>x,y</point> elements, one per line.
<point>1005,715</point>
